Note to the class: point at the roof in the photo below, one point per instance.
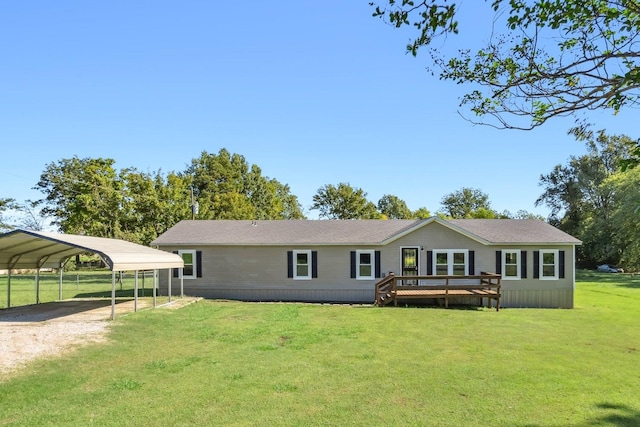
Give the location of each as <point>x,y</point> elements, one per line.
<point>353,232</point>
<point>30,249</point>
<point>514,231</point>
<point>281,232</point>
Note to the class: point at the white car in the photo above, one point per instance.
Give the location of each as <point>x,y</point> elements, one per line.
<point>607,268</point>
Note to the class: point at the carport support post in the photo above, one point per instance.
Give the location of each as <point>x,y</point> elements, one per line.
<point>113,295</point>
<point>60,283</point>
<point>9,288</point>
<point>155,275</point>
<point>181,282</point>
<point>38,286</point>
<point>135,292</point>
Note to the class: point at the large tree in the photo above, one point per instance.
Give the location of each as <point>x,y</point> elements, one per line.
<point>467,203</point>
<point>227,187</point>
<point>394,207</point>
<point>82,195</point>
<point>344,202</point>
<point>625,236</point>
<point>580,203</point>
<point>6,204</point>
<point>543,58</point>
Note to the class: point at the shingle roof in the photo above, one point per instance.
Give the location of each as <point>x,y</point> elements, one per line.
<point>285,232</point>
<point>353,232</point>
<point>514,231</point>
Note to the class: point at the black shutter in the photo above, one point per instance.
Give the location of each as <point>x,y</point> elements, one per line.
<point>175,270</point>
<point>290,264</point>
<point>198,263</point>
<point>314,264</point>
<point>378,267</point>
<point>523,264</point>
<point>536,264</point>
<point>353,264</point>
<point>561,272</point>
<point>429,263</point>
<point>472,263</point>
<point>498,262</point>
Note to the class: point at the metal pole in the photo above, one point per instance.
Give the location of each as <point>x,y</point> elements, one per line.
<point>38,285</point>
<point>60,283</point>
<point>135,292</point>
<point>155,274</point>
<point>182,283</point>
<point>9,289</point>
<point>113,295</point>
<point>169,284</point>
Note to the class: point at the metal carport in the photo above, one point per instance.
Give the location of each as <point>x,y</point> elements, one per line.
<point>26,249</point>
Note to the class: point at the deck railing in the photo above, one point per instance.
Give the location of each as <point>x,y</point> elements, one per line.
<point>484,285</point>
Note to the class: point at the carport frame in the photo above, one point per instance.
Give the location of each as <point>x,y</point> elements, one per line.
<point>27,249</point>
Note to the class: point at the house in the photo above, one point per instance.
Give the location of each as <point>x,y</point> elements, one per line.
<point>341,260</point>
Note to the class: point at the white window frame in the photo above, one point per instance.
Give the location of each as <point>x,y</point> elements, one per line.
<point>372,254</point>
<point>518,254</point>
<point>450,253</point>
<point>194,263</point>
<point>556,264</point>
<point>309,264</point>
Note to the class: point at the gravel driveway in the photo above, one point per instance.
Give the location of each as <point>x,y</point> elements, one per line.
<point>50,329</point>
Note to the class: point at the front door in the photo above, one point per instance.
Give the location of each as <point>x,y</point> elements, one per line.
<point>410,264</point>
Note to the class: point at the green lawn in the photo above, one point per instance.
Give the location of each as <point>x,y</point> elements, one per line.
<point>233,363</point>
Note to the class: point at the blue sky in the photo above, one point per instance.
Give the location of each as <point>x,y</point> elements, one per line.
<point>314,93</point>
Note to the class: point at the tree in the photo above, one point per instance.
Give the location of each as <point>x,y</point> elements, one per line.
<point>421,213</point>
<point>32,217</point>
<point>343,202</point>
<point>625,237</point>
<point>6,204</point>
<point>543,59</point>
<point>82,195</point>
<point>393,207</point>
<point>581,204</point>
<point>227,187</point>
<point>467,203</point>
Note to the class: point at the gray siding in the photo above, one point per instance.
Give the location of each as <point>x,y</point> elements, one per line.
<point>259,273</point>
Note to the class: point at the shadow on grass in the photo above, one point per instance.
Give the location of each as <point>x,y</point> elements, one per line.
<point>609,414</point>
<point>52,310</point>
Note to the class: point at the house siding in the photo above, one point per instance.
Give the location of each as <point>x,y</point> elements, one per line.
<point>259,273</point>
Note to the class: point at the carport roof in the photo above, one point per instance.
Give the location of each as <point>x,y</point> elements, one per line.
<point>37,249</point>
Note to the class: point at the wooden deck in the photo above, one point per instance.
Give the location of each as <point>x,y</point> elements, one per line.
<point>485,286</point>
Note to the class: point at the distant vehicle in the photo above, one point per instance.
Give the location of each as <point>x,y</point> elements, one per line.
<point>608,268</point>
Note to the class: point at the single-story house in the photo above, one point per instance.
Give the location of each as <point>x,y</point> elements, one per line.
<point>341,260</point>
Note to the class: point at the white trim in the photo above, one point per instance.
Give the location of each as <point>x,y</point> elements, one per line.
<point>556,264</point>
<point>518,253</point>
<point>194,264</point>
<point>372,255</point>
<point>309,264</point>
<point>450,253</point>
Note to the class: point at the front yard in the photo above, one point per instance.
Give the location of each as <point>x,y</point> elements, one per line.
<point>234,363</point>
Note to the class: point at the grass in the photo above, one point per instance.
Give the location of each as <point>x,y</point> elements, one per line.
<point>233,363</point>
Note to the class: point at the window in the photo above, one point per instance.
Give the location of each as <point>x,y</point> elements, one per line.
<point>451,262</point>
<point>511,265</point>
<point>365,267</point>
<point>302,268</point>
<point>549,264</point>
<point>190,264</point>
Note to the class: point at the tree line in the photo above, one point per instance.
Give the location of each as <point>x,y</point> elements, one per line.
<point>594,197</point>
<point>91,196</point>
